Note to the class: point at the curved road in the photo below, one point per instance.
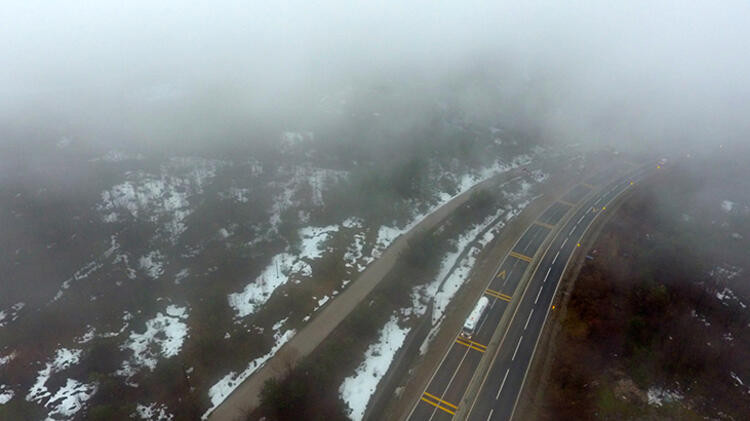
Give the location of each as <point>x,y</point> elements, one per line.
<point>451,391</point>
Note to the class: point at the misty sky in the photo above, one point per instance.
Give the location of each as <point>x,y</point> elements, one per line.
<point>640,71</point>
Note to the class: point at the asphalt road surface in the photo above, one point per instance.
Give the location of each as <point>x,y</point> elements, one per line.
<point>502,382</point>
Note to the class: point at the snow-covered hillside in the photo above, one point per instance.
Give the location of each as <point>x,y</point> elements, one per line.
<point>192,270</point>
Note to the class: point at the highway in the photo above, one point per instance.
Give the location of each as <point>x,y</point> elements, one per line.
<point>501,383</point>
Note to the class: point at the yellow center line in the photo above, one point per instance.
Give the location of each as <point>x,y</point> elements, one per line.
<point>466,344</point>
<point>477,344</point>
<point>438,406</point>
<point>520,256</point>
<point>440,400</point>
<point>565,202</point>
<point>499,295</point>
<point>544,224</point>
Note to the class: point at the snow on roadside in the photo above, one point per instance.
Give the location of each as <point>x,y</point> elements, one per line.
<point>452,276</point>
<point>224,387</point>
<point>313,239</point>
<point>69,398</point>
<point>387,234</point>
<point>282,267</point>
<point>356,390</point>
<point>354,256</point>
<point>164,336</point>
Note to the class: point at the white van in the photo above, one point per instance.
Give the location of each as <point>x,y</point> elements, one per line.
<point>473,320</point>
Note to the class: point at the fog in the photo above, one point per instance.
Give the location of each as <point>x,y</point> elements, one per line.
<point>630,73</point>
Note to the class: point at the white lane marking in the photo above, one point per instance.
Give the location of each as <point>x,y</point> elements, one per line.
<point>517,346</point>
<point>442,395</point>
<point>563,244</point>
<point>555,259</point>
<point>579,221</point>
<point>491,411</point>
<point>540,293</point>
<point>547,275</point>
<point>502,384</point>
<point>529,319</point>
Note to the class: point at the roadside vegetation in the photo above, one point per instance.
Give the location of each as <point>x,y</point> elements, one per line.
<point>656,327</point>
<point>311,389</point>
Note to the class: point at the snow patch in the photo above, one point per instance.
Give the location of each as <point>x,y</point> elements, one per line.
<point>152,264</point>
<point>163,337</point>
<point>224,387</point>
<point>71,397</point>
<point>8,358</point>
<point>162,198</point>
<point>353,258</point>
<point>657,396</point>
<point>313,239</point>
<point>181,275</point>
<point>356,390</point>
<point>387,234</point>
<point>11,314</point>
<point>701,317</point>
<point>153,412</point>
<point>727,205</point>
<point>6,394</point>
<point>276,274</point>
<point>453,273</point>
<point>321,302</point>
<point>282,267</point>
<point>726,296</point>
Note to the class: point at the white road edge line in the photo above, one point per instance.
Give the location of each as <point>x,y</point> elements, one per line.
<point>502,384</point>
<point>517,346</point>
<point>523,382</point>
